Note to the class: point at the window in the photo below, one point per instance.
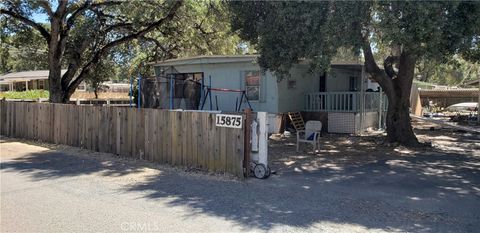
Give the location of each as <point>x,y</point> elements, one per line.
<point>353,83</point>
<point>252,85</point>
<point>292,84</point>
<point>41,85</point>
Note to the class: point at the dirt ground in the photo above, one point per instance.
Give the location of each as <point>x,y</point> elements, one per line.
<point>339,150</point>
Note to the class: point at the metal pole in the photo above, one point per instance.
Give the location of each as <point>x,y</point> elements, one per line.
<point>478,106</point>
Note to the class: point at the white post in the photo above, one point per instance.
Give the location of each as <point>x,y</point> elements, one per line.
<point>259,139</point>
<point>26,85</point>
<point>262,138</point>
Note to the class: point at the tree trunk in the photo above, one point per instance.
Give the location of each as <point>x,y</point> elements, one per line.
<point>397,87</point>
<point>399,127</point>
<point>56,47</point>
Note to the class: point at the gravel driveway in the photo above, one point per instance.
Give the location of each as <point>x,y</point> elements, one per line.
<point>58,188</point>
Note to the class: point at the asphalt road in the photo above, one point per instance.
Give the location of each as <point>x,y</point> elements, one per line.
<point>70,190</point>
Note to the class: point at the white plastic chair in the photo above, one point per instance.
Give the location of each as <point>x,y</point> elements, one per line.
<point>311,134</point>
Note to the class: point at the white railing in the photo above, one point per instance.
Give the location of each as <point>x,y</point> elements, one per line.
<point>342,101</point>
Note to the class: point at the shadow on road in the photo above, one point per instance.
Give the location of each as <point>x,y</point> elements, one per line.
<point>421,192</point>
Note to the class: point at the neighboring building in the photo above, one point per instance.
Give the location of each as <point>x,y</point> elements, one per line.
<point>28,80</point>
<point>344,99</point>
<point>443,98</point>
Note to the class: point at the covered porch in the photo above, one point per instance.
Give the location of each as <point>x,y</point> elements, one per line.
<point>348,111</point>
<point>344,101</point>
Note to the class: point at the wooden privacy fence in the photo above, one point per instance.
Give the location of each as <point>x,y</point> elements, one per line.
<point>173,137</point>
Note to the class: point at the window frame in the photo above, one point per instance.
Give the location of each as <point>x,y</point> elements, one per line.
<point>259,86</point>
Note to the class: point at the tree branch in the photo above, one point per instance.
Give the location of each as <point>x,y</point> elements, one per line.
<point>61,9</point>
<point>159,45</point>
<point>28,22</point>
<point>388,66</point>
<point>97,56</point>
<point>46,6</point>
<point>118,26</point>
<point>372,68</point>
<point>77,10</point>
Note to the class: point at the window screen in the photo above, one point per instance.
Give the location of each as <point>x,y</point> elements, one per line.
<point>252,85</point>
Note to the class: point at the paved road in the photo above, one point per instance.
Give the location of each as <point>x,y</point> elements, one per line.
<point>66,189</point>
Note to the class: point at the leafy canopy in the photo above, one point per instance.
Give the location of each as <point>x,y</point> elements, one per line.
<point>286,32</point>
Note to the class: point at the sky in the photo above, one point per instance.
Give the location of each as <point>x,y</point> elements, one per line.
<point>40,17</point>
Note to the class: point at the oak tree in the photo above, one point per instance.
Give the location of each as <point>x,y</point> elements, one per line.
<point>81,33</point>
<point>285,32</point>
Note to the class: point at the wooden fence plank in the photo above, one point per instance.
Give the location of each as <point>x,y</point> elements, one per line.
<point>154,135</point>
<point>174,135</point>
<point>204,142</point>
<point>81,126</point>
<point>125,139</point>
<point>180,138</point>
<point>118,132</point>
<point>238,152</point>
<point>140,133</point>
<point>102,132</point>
<point>225,140</point>
<point>194,142</point>
<point>163,135</point>
<point>210,143</point>
<point>186,125</point>
<point>148,131</point>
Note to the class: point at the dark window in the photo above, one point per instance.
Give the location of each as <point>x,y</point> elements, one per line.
<point>252,85</point>
<point>353,83</point>
<point>323,83</point>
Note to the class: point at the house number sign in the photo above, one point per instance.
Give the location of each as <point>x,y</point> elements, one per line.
<point>229,121</point>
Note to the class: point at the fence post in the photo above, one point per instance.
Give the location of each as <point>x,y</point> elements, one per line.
<point>247,142</point>
<point>263,138</point>
<point>118,131</point>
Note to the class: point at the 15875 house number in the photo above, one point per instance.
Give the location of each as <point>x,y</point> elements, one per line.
<point>230,121</point>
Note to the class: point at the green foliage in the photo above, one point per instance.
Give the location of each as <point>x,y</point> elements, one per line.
<point>202,28</point>
<point>399,32</point>
<point>32,94</point>
<point>198,28</point>
<point>104,71</point>
<point>435,30</point>
<point>21,49</point>
<point>285,32</point>
<point>456,71</point>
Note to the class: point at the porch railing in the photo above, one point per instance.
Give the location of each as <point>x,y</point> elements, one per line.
<point>342,101</point>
